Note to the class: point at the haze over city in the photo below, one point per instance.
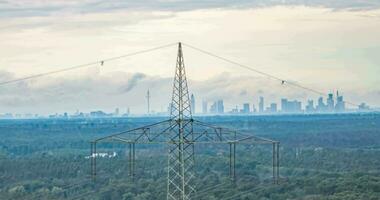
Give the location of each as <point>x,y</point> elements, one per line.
<point>327,46</point>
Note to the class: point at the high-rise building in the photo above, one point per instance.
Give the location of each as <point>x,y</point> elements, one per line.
<point>220,107</point>
<point>291,106</point>
<point>204,107</point>
<point>116,113</point>
<point>330,103</point>
<point>321,107</point>
<point>297,106</point>
<point>310,106</point>
<point>246,108</point>
<point>214,108</point>
<point>261,105</point>
<point>273,108</point>
<point>284,105</point>
<point>217,107</point>
<point>192,103</point>
<point>340,105</point>
<point>235,110</point>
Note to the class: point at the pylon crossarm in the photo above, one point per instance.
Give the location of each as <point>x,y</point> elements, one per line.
<point>127,141</point>
<point>256,139</point>
<point>117,138</point>
<point>213,126</point>
<point>163,132</point>
<point>204,133</point>
<point>207,132</point>
<point>220,131</point>
<point>132,130</point>
<point>144,133</point>
<point>248,140</point>
<point>224,134</point>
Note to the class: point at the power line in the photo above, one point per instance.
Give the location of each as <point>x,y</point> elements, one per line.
<point>283,81</point>
<point>101,62</point>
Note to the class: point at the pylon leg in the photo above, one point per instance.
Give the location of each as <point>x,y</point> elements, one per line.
<point>278,162</point>
<point>133,160</point>
<point>274,163</point>
<point>231,161</point>
<point>234,161</point>
<point>130,160</point>
<point>94,157</point>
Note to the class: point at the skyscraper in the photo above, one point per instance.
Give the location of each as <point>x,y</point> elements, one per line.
<point>220,107</point>
<point>273,108</point>
<point>204,107</point>
<point>192,102</point>
<point>330,103</point>
<point>214,108</point>
<point>340,105</point>
<point>310,106</point>
<point>246,108</point>
<point>321,107</point>
<point>291,106</point>
<point>116,113</point>
<point>261,105</point>
<point>284,105</point>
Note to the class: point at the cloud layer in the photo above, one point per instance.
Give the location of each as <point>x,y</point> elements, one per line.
<point>322,48</point>
<point>127,90</point>
<point>24,8</point>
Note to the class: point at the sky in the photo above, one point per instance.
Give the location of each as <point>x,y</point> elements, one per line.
<point>325,45</point>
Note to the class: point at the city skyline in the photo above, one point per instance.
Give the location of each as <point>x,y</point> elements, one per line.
<point>332,104</point>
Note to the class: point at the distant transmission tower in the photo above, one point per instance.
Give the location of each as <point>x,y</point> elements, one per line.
<point>181,133</point>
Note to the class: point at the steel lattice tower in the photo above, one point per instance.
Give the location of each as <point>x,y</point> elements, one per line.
<point>181,147</point>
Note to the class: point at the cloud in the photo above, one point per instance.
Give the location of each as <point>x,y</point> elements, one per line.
<point>324,50</point>
<point>132,82</point>
<point>120,89</point>
<point>5,76</point>
<point>243,93</point>
<point>24,8</point>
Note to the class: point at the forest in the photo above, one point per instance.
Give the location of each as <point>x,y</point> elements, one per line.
<point>330,156</point>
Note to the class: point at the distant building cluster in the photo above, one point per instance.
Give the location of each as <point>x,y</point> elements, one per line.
<point>217,107</point>
<point>295,106</point>
<point>77,114</point>
<point>333,104</point>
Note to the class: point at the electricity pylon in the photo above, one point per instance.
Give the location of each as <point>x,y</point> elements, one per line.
<point>180,133</point>
<point>181,148</point>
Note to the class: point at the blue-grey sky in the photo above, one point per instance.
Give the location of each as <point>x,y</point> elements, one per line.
<point>326,45</point>
<point>19,8</point>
